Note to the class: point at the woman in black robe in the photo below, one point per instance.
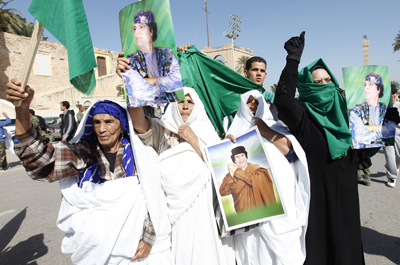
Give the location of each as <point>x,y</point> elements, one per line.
<point>319,121</point>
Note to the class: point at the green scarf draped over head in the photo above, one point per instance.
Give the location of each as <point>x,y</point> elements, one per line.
<point>327,105</point>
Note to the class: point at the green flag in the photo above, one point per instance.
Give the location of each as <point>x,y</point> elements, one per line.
<point>218,86</point>
<point>66,21</point>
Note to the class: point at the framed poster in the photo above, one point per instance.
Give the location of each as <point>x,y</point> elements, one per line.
<point>244,181</point>
<point>368,95</point>
<point>148,42</point>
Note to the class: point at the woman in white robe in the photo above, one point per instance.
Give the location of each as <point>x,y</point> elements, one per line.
<point>103,221</point>
<point>180,138</point>
<point>281,240</point>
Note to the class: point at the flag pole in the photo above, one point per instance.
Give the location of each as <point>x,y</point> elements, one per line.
<point>30,56</point>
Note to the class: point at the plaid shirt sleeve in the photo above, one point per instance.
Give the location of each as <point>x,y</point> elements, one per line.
<point>51,162</point>
<point>149,235</point>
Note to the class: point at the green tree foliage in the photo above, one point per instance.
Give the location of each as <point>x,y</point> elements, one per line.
<point>396,43</point>
<point>11,21</point>
<point>241,64</point>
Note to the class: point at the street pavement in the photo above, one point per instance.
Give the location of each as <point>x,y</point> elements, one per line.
<point>29,209</point>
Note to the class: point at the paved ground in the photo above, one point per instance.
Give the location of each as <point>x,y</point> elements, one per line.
<point>29,209</point>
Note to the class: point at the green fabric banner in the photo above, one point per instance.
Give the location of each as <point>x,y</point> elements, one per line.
<point>218,86</point>
<point>66,21</point>
<point>327,105</point>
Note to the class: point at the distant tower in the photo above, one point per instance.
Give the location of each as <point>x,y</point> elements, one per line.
<point>365,44</point>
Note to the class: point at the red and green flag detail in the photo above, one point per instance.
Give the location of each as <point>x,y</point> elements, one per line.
<point>66,21</point>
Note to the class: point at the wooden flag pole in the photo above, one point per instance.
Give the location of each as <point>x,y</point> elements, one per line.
<point>30,56</point>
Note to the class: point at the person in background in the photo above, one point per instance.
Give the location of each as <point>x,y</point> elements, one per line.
<point>3,157</point>
<point>256,71</point>
<point>68,124</point>
<point>80,114</point>
<point>35,121</point>
<point>392,152</point>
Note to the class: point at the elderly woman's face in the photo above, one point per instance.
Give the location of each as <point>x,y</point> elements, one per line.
<point>186,107</point>
<point>143,34</point>
<point>371,90</point>
<point>321,76</point>
<point>252,104</point>
<point>108,130</point>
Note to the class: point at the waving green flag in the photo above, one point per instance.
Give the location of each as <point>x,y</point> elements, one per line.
<point>218,86</point>
<point>66,21</point>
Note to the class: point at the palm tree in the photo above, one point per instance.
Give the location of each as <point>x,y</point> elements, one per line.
<point>11,21</point>
<point>241,64</point>
<point>396,43</point>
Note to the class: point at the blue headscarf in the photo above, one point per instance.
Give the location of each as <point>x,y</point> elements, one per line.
<point>115,110</point>
<point>108,107</point>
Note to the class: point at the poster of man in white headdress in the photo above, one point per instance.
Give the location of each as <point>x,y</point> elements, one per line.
<point>244,181</point>
<point>148,42</point>
<point>368,96</point>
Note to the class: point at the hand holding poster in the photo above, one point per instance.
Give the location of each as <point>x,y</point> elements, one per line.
<point>244,181</point>
<point>368,95</point>
<point>148,42</point>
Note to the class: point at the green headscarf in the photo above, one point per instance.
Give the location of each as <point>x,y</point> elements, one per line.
<point>327,105</point>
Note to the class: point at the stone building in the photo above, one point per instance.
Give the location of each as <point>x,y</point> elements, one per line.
<point>226,52</point>
<point>50,75</point>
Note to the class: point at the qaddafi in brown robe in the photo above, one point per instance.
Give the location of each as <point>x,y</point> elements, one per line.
<point>250,188</point>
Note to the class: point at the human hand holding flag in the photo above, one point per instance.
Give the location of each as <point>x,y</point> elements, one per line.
<point>66,20</point>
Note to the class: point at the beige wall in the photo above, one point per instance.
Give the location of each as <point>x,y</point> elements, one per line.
<point>226,52</point>
<point>53,88</point>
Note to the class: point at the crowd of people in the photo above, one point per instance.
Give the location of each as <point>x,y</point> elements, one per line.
<point>138,189</point>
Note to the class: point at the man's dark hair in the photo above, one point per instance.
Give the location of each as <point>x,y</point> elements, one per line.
<point>238,150</point>
<point>65,104</point>
<point>394,89</point>
<point>255,59</point>
<point>31,111</point>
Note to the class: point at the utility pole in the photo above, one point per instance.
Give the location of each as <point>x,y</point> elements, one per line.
<point>232,34</point>
<point>208,35</point>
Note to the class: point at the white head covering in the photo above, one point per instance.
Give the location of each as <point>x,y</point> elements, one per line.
<point>243,116</point>
<point>285,236</point>
<point>198,119</point>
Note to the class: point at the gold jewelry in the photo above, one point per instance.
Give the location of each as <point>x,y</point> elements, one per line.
<point>273,138</point>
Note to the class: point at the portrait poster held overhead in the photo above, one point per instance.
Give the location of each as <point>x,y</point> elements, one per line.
<point>148,41</point>
<point>245,181</point>
<point>368,96</point>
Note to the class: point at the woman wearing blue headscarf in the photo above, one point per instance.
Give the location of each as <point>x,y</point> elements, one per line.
<point>112,208</point>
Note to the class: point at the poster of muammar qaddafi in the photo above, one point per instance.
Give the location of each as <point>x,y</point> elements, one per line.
<point>148,41</point>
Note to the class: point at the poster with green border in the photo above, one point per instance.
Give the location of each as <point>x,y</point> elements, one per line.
<point>148,41</point>
<point>368,95</point>
<point>219,156</point>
